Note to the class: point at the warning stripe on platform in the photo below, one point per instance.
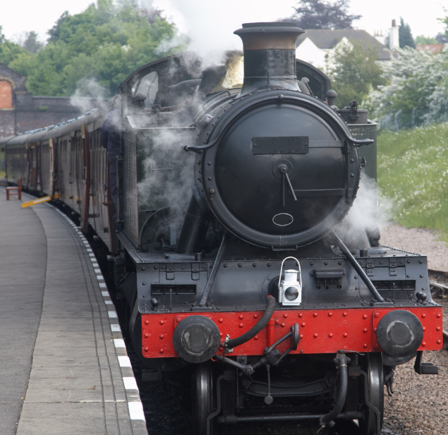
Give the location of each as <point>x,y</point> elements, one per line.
<point>36,201</point>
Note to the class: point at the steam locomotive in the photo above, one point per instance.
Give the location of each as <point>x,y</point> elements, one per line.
<point>235,257</point>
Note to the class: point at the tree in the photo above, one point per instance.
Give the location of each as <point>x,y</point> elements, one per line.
<point>8,50</point>
<point>319,14</point>
<point>55,31</point>
<point>404,35</point>
<point>31,43</point>
<point>417,84</point>
<point>102,44</point>
<point>441,38</point>
<point>354,72</point>
<point>425,40</point>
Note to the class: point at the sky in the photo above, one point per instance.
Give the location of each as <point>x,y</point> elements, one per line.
<point>213,21</point>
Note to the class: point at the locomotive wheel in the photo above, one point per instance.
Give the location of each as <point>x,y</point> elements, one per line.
<point>202,395</point>
<point>375,394</point>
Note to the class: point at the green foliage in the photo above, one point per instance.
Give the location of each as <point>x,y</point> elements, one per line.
<point>55,31</point>
<point>417,84</point>
<point>105,43</point>
<point>412,172</point>
<point>425,40</point>
<point>404,35</point>
<point>442,38</point>
<point>31,43</point>
<point>354,72</point>
<point>9,51</point>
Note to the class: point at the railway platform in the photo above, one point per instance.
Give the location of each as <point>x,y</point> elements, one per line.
<point>63,364</point>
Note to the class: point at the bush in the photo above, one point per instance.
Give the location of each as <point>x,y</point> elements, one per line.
<point>412,172</point>
<point>417,84</point>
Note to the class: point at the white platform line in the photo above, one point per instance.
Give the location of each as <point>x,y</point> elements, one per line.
<point>130,383</point>
<point>119,342</point>
<point>124,361</point>
<point>136,411</point>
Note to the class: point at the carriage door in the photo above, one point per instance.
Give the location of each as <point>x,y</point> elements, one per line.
<point>85,179</point>
<point>32,165</point>
<point>52,145</point>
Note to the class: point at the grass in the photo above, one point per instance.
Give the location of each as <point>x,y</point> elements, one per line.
<point>413,174</point>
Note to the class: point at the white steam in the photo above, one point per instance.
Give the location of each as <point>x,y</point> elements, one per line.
<point>369,213</point>
<point>169,172</point>
<point>210,24</point>
<point>167,44</point>
<point>89,95</point>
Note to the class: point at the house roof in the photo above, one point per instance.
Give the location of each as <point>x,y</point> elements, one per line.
<point>432,48</point>
<point>15,77</point>
<point>327,39</point>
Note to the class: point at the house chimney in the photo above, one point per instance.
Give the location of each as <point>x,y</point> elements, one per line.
<point>394,41</point>
<point>378,34</point>
<point>269,55</point>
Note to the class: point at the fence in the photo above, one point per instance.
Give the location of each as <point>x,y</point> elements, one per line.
<point>400,120</point>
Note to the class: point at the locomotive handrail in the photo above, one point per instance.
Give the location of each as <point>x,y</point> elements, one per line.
<point>358,269</point>
<point>359,142</point>
<point>208,286</point>
<point>198,149</point>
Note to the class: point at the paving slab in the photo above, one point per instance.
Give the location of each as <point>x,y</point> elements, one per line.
<point>60,372</point>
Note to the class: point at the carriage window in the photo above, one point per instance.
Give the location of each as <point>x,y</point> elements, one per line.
<point>148,86</point>
<point>5,95</point>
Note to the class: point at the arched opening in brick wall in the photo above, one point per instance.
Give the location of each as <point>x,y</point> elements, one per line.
<point>5,95</point>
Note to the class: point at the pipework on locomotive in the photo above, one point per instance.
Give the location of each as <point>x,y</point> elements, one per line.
<point>232,259</point>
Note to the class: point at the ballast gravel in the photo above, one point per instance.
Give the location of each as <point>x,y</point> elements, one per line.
<point>417,240</point>
<point>419,405</point>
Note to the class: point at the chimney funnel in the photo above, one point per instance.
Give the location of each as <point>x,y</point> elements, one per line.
<point>269,55</point>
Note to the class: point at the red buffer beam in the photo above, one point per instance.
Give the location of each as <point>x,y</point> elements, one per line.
<point>321,331</point>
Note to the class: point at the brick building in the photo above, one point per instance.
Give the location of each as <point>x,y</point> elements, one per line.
<point>20,111</point>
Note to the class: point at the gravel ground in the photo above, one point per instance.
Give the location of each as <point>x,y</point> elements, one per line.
<point>419,405</point>
<point>417,240</point>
